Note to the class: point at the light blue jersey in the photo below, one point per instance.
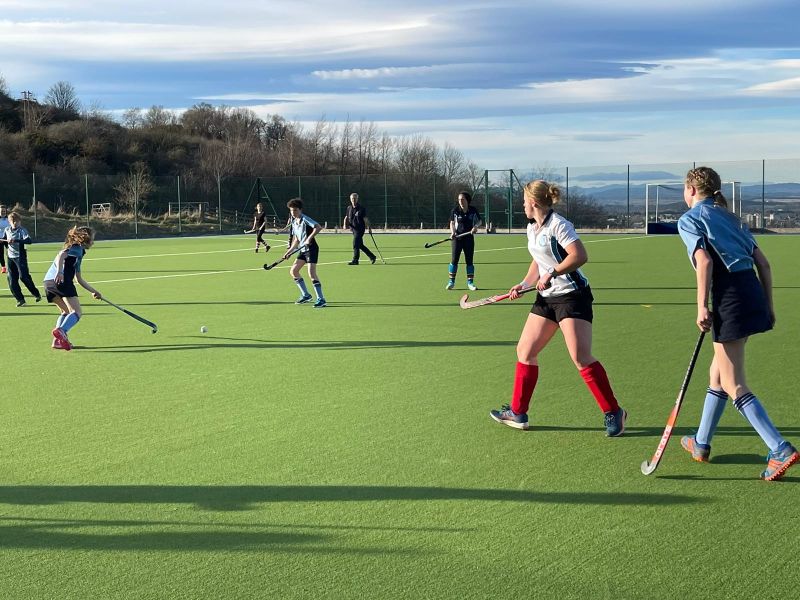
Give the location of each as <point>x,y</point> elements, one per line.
<point>708,226</point>
<point>21,236</point>
<point>72,264</point>
<point>302,227</point>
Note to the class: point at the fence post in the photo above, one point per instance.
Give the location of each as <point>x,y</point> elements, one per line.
<point>339,202</point>
<point>299,188</point>
<point>179,204</point>
<point>434,200</point>
<point>35,207</point>
<point>135,208</point>
<point>486,191</point>
<point>510,200</point>
<point>628,192</point>
<point>86,188</point>
<point>219,202</point>
<point>763,194</point>
<point>385,202</point>
<point>569,214</point>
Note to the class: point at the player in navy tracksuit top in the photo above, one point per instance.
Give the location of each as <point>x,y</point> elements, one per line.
<point>304,229</point>
<point>356,219</point>
<point>723,253</point>
<point>3,224</point>
<point>463,219</point>
<point>59,283</point>
<point>17,237</point>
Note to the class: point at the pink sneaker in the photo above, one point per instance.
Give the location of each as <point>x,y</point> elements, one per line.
<point>61,342</point>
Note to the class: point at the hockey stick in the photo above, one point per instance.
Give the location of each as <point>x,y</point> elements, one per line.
<point>490,300</point>
<point>267,267</point>
<point>649,467</point>
<point>376,246</point>
<point>150,324</point>
<point>447,239</point>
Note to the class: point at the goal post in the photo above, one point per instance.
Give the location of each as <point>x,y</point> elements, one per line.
<point>664,204</point>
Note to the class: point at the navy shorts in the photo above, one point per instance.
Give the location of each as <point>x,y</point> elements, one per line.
<point>738,305</point>
<point>309,256</point>
<point>575,305</point>
<point>65,289</point>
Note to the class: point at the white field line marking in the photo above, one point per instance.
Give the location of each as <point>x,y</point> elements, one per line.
<point>92,259</point>
<point>339,262</point>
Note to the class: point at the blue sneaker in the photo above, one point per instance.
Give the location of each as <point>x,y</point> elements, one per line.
<point>779,461</point>
<point>451,283</point>
<point>615,422</point>
<point>320,303</point>
<point>506,416</point>
<point>303,299</point>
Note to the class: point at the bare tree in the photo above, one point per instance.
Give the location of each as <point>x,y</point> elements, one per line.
<point>62,96</point>
<point>132,192</point>
<point>317,141</point>
<point>158,116</point>
<point>365,143</point>
<point>4,86</point>
<point>385,148</point>
<point>452,166</point>
<point>346,147</point>
<point>132,118</point>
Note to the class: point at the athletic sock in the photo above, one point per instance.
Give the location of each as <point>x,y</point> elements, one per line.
<point>317,288</point>
<point>525,379</point>
<point>302,285</point>
<point>60,320</point>
<point>597,381</point>
<point>712,411</point>
<point>70,321</point>
<point>452,270</point>
<point>754,412</point>
<point>470,272</point>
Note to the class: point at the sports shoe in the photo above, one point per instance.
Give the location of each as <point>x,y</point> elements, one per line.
<point>21,303</point>
<point>353,262</point>
<point>56,344</point>
<point>256,249</point>
<point>615,422</point>
<point>699,452</point>
<point>320,303</point>
<point>38,298</point>
<point>450,284</point>
<point>61,336</point>
<point>372,259</point>
<point>303,299</point>
<point>3,270</point>
<point>506,416</point>
<point>471,286</point>
<point>267,247</point>
<point>779,461</point>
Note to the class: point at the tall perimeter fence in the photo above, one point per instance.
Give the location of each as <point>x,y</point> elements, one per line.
<point>628,198</point>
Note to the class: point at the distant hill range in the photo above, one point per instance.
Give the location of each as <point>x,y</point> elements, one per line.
<point>780,197</point>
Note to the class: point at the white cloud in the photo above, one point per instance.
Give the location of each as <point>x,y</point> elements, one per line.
<point>784,87</point>
<point>380,73</point>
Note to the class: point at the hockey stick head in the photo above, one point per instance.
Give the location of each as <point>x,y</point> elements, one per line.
<point>648,468</point>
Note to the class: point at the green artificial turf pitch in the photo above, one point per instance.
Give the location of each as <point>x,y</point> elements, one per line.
<point>348,453</point>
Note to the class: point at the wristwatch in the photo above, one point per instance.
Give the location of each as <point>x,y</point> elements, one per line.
<point>552,272</point>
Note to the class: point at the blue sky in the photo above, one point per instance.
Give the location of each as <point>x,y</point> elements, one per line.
<point>511,84</point>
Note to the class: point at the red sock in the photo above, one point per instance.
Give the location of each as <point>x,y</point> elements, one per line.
<point>524,381</point>
<point>596,379</point>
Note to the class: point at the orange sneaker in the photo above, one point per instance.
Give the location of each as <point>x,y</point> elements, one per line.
<point>779,461</point>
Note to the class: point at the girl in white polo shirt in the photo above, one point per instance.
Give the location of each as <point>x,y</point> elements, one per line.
<point>563,301</point>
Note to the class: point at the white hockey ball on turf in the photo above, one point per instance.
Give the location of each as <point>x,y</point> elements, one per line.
<point>203,329</point>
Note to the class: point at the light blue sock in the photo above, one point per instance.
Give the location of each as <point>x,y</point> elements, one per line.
<point>302,285</point>
<point>470,272</point>
<point>70,321</point>
<point>318,289</point>
<point>751,409</point>
<point>60,320</point>
<point>712,411</point>
<point>452,270</point>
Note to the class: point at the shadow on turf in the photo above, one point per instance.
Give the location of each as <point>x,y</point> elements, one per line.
<point>287,344</point>
<point>237,498</point>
